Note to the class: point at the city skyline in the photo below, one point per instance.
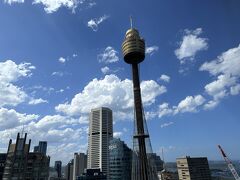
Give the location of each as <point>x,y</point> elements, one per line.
<point>59,61</point>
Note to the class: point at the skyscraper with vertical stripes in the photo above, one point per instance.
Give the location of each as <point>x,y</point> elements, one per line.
<point>100,133</point>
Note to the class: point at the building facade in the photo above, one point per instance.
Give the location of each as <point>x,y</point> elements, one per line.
<point>68,174</point>
<point>193,168</point>
<point>120,160</point>
<point>93,174</point>
<point>79,164</point>
<point>58,168</point>
<point>22,164</point>
<point>3,157</point>
<point>41,148</point>
<point>100,133</point>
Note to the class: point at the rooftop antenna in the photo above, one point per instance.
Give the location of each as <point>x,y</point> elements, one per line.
<point>131,22</point>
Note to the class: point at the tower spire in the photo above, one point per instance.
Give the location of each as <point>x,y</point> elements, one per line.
<point>131,22</point>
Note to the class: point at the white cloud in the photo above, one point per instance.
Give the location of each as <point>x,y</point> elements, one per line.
<point>62,60</point>
<point>37,101</point>
<point>151,50</point>
<point>93,23</point>
<point>51,6</point>
<point>164,110</point>
<point>211,104</point>
<point>11,118</point>
<point>226,63</point>
<point>105,70</point>
<point>9,74</point>
<point>189,104</point>
<point>117,134</point>
<point>165,78</point>
<point>113,93</point>
<point>13,1</point>
<point>226,71</point>
<point>108,56</point>
<point>166,124</point>
<point>191,44</point>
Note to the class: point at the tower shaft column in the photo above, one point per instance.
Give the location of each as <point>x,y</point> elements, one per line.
<point>139,121</point>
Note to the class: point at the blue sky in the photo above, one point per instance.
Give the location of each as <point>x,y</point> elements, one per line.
<point>59,59</point>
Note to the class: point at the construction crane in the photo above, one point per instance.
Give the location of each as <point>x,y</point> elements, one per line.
<point>229,163</point>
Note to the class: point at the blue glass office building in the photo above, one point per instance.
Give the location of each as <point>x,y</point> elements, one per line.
<point>120,160</point>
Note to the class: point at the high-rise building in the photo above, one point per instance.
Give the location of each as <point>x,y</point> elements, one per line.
<point>120,160</point>
<point>69,171</point>
<point>100,133</point>
<point>79,164</point>
<point>156,160</point>
<point>3,157</point>
<point>193,168</point>
<point>41,148</point>
<point>22,164</point>
<point>58,168</point>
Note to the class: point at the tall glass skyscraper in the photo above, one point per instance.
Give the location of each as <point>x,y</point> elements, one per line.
<point>100,133</point>
<point>120,160</point>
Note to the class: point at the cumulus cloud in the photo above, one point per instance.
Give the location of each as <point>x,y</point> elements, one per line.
<point>13,1</point>
<point>165,78</point>
<point>11,72</point>
<point>164,110</point>
<point>51,6</point>
<point>189,104</point>
<point>94,23</point>
<point>113,93</point>
<point>190,45</point>
<point>9,118</point>
<point>151,50</point>
<point>226,72</point>
<point>109,55</point>
<point>37,101</point>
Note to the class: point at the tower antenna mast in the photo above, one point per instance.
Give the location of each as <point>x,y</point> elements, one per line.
<point>131,22</point>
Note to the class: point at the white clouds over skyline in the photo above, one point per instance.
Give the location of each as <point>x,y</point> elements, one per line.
<point>189,104</point>
<point>226,71</point>
<point>12,94</point>
<point>113,93</point>
<point>190,45</point>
